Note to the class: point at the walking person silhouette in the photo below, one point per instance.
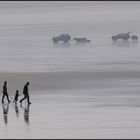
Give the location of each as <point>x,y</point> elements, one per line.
<point>16,96</point>
<point>26,93</point>
<point>5,92</point>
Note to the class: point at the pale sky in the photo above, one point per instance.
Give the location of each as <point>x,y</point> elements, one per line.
<point>47,12</point>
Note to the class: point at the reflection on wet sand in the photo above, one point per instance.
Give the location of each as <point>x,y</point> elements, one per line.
<point>5,112</point>
<point>25,109</point>
<point>134,41</point>
<point>60,44</point>
<point>127,43</point>
<point>121,43</point>
<point>26,113</point>
<point>16,110</point>
<point>80,44</point>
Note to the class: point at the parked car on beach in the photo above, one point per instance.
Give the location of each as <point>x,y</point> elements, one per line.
<point>81,40</point>
<point>123,36</point>
<point>62,37</point>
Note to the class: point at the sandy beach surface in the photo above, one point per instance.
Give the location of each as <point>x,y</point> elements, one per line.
<point>77,90</point>
<point>73,105</point>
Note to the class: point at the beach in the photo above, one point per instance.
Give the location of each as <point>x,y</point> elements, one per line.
<point>77,90</point>
<point>74,105</point>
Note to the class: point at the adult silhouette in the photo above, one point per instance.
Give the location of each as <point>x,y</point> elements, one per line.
<point>26,93</point>
<point>5,92</point>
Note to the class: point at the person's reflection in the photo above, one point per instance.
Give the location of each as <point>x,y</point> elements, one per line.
<point>16,110</point>
<point>26,113</point>
<point>5,112</point>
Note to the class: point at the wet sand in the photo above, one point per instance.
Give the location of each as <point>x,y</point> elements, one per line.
<point>98,96</point>
<point>74,105</point>
<point>67,80</point>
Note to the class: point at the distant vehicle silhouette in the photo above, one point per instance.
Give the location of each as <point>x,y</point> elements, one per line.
<point>123,36</point>
<point>134,37</point>
<point>81,40</point>
<point>62,37</point>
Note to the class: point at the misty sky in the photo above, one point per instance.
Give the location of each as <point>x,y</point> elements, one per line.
<point>34,12</point>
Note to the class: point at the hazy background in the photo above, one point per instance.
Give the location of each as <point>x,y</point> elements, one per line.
<point>77,91</point>
<point>26,30</point>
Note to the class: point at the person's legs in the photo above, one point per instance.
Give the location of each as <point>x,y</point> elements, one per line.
<point>23,98</point>
<point>8,98</point>
<point>3,98</point>
<point>16,101</point>
<point>28,99</point>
